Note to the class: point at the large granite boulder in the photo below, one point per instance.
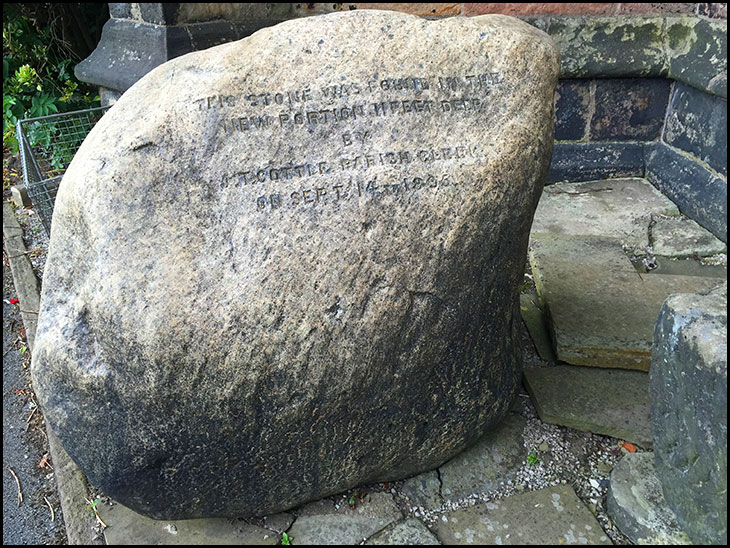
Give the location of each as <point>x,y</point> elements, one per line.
<point>688,387</point>
<point>288,265</point>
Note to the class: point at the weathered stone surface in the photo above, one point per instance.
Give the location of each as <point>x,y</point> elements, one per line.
<point>601,310</point>
<point>697,52</point>
<point>688,389</point>
<point>622,209</point>
<point>423,490</point>
<point>697,123</point>
<point>591,161</point>
<point>608,47</point>
<point>554,515</point>
<point>535,321</point>
<point>629,109</point>
<point>298,271</point>
<point>128,527</point>
<point>698,192</point>
<point>636,504</point>
<point>682,237</point>
<point>572,109</point>
<point>612,402</point>
<point>409,532</point>
<point>496,458</point>
<point>321,523</point>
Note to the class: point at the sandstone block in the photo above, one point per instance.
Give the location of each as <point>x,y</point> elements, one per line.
<point>286,266</point>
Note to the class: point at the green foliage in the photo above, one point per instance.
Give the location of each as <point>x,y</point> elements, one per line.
<point>285,539</point>
<point>37,75</point>
<point>532,458</point>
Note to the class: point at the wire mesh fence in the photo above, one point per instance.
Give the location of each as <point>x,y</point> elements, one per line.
<point>47,145</point>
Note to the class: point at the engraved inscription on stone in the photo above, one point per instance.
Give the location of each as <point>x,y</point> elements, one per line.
<point>344,109</point>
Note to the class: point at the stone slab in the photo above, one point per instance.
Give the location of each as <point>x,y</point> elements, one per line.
<point>534,319</point>
<point>621,208</point>
<point>682,237</point>
<point>636,504</point>
<point>554,515</point>
<point>322,523</point>
<point>408,532</point>
<point>24,278</point>
<point>20,196</point>
<point>128,527</point>
<point>601,310</point>
<point>495,458</point>
<point>611,402</point>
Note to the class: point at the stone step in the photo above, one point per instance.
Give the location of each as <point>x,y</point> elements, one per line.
<point>619,208</point>
<point>601,310</point>
<point>612,402</point>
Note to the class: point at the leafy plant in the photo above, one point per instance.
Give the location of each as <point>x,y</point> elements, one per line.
<point>38,61</point>
<point>532,458</point>
<point>285,539</point>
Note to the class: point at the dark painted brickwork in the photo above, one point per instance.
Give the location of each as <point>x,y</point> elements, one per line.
<point>629,109</point>
<point>697,123</point>
<point>698,192</point>
<point>572,109</point>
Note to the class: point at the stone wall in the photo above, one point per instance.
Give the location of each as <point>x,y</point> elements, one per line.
<point>643,89</point>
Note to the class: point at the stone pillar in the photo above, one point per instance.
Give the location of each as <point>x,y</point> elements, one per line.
<point>140,36</point>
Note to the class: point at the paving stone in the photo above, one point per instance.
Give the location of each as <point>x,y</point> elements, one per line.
<point>129,527</point>
<point>601,310</point>
<point>495,458</point>
<point>410,532</point>
<point>423,490</point>
<point>279,522</point>
<point>621,209</point>
<point>612,402</point>
<point>322,523</point>
<point>636,504</point>
<point>682,237</point>
<point>554,515</point>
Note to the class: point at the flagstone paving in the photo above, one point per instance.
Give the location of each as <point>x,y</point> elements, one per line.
<point>128,527</point>
<point>613,402</point>
<point>323,522</point>
<point>601,310</point>
<point>480,469</point>
<point>682,237</point>
<point>408,532</point>
<point>621,209</point>
<point>554,515</point>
